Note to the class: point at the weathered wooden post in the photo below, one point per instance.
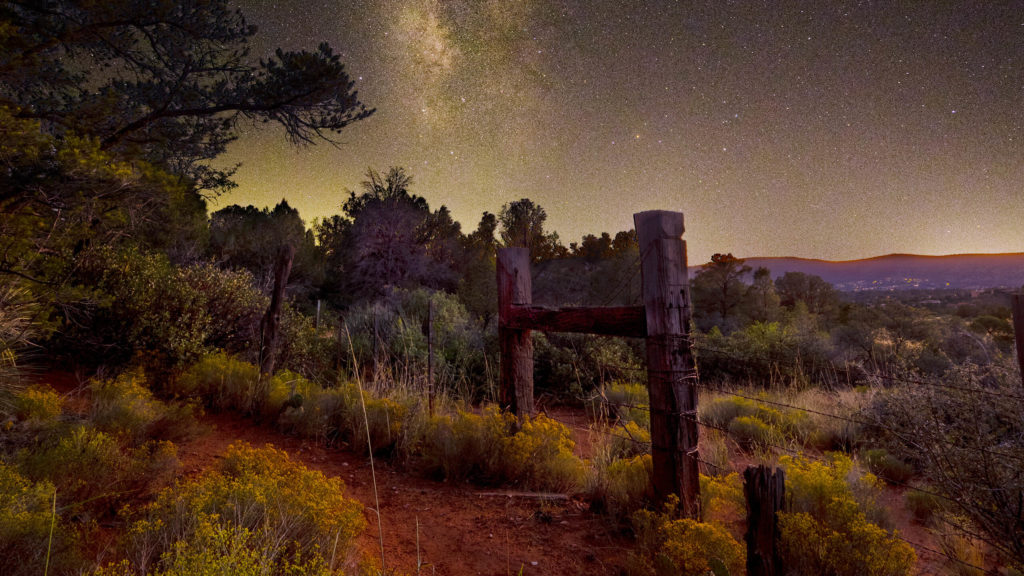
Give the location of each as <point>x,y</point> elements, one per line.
<point>1018,331</point>
<point>430,357</point>
<point>671,372</point>
<point>764,492</point>
<point>515,392</point>
<point>272,319</point>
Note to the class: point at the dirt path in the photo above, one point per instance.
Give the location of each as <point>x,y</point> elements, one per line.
<point>463,530</point>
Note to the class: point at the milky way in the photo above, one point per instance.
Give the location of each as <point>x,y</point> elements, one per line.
<point>816,129</point>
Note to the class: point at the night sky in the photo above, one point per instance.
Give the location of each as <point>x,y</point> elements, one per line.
<point>834,130</point>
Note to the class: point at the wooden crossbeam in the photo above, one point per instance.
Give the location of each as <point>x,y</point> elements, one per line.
<point>628,321</point>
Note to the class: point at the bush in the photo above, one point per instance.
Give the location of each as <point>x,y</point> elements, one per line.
<point>124,406</point>
<point>628,402</point>
<point>722,501</point>
<point>922,504</point>
<point>93,474</point>
<point>221,382</point>
<point>721,411</point>
<point>259,502</point>
<point>178,314</point>
<point>466,445</point>
<point>888,467</point>
<point>37,405</point>
<point>828,530</point>
<point>26,516</point>
<point>629,440</point>
<point>683,546</point>
<point>752,432</point>
<point>485,447</point>
<point>540,455</point>
<point>628,484</point>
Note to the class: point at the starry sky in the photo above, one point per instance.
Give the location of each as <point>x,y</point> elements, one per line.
<point>834,130</point>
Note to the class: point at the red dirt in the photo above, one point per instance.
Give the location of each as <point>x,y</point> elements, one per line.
<point>463,530</point>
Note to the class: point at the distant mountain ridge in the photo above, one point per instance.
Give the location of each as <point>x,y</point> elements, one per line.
<point>906,271</point>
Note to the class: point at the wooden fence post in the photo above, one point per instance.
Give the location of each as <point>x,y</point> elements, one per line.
<point>272,319</point>
<point>671,372</point>
<point>515,392</point>
<point>1018,331</point>
<point>430,356</point>
<point>764,492</point>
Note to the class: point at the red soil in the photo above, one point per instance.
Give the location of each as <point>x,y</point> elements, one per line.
<point>463,530</point>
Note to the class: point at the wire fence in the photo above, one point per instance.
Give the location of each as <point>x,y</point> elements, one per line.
<point>862,420</point>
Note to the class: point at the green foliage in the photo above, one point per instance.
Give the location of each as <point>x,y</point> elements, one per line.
<point>258,506</point>
<point>668,545</point>
<point>629,439</point>
<point>629,402</point>
<point>93,473</point>
<point>722,410</point>
<point>888,467</point>
<point>178,314</point>
<point>967,443</point>
<point>628,484</point>
<point>923,504</point>
<point>26,515</point>
<point>828,531</point>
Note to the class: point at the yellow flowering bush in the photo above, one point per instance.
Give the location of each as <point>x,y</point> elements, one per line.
<point>628,484</point>
<point>37,404</point>
<point>25,519</point>
<point>828,531</point>
<point>91,471</point>
<point>540,455</point>
<point>124,406</point>
<point>258,495</point>
<point>668,545</point>
<point>722,501</point>
<point>223,382</point>
<point>630,439</point>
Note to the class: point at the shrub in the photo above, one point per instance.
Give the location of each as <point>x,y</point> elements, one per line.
<point>92,473</point>
<point>720,412</point>
<point>38,405</point>
<point>466,445</point>
<point>629,440</point>
<point>258,499</point>
<point>221,381</point>
<point>752,432</point>
<point>540,455</point>
<point>26,516</point>
<point>485,447</point>
<point>628,484</point>
<point>124,406</point>
<point>888,467</point>
<point>683,546</point>
<point>828,530</point>
<point>628,402</point>
<point>923,504</point>
<point>722,501</point>
<point>178,314</point>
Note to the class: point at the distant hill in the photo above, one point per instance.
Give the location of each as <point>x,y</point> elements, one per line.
<point>906,271</point>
